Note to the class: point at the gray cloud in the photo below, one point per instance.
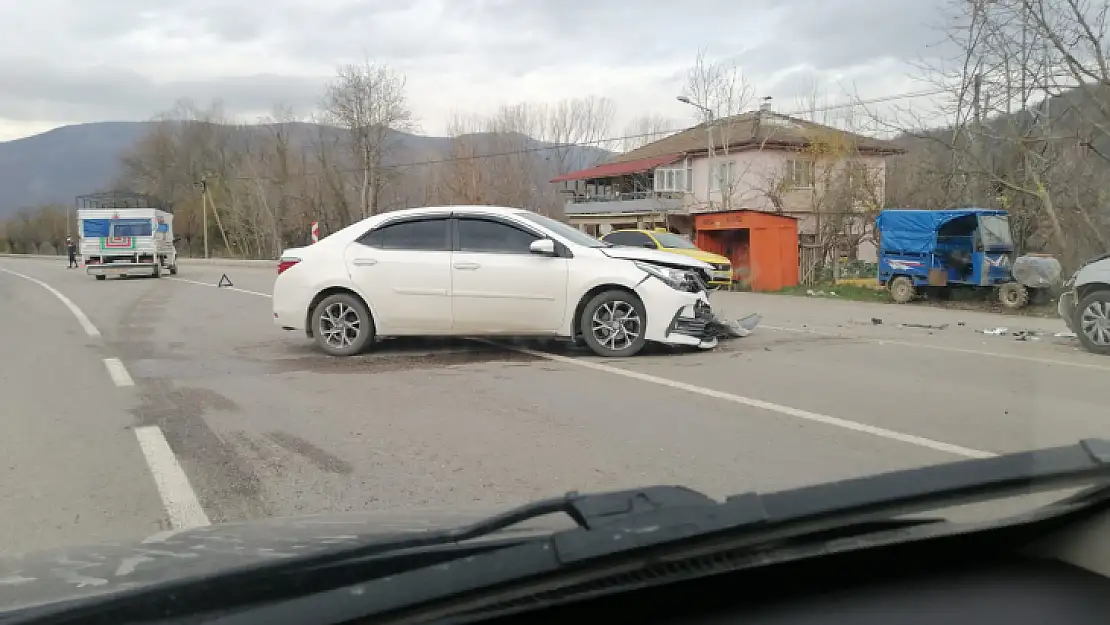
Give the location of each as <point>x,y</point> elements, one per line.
<point>129,59</point>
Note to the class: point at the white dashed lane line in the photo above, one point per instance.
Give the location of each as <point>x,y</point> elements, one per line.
<point>118,372</point>
<point>177,495</point>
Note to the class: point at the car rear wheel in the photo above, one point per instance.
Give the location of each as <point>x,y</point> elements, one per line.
<point>341,325</point>
<point>613,324</point>
<point>1092,321</point>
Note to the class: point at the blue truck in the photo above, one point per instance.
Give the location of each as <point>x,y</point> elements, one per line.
<point>966,247</point>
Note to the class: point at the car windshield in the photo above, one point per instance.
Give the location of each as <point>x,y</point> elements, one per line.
<point>346,262</point>
<point>574,235</point>
<point>995,231</point>
<point>666,239</point>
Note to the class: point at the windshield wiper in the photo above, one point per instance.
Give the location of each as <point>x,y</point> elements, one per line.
<point>617,524</point>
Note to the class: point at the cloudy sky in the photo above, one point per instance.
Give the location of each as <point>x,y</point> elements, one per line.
<point>69,61</point>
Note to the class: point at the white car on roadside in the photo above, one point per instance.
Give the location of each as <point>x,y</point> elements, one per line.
<point>488,271</point>
<point>1085,304</point>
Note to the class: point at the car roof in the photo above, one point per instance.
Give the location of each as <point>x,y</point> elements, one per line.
<point>472,208</point>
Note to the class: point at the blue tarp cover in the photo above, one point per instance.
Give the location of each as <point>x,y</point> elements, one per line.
<point>915,231</point>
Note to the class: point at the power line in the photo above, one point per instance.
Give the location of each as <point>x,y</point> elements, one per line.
<point>617,139</point>
<point>655,133</point>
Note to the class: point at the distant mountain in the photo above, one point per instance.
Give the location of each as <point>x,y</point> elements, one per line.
<point>60,164</point>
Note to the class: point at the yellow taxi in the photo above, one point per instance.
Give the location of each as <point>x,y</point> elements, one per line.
<point>661,239</point>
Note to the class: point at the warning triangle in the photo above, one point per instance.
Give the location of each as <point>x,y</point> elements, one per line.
<point>225,281</point>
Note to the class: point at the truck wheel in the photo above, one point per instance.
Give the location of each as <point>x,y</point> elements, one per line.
<point>902,290</point>
<point>173,268</point>
<point>102,277</point>
<point>158,269</point>
<point>1013,295</point>
<point>1092,320</point>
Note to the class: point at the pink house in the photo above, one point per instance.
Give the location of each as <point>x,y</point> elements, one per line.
<point>831,180</point>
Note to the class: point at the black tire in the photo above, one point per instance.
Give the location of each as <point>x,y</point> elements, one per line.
<point>902,290</point>
<point>347,306</point>
<point>173,269</point>
<point>1092,331</point>
<point>605,305</point>
<point>158,269</point>
<point>1013,295</point>
<point>101,277</point>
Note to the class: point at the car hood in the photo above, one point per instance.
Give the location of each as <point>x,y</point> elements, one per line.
<point>652,256</point>
<point>77,572</point>
<point>701,255</point>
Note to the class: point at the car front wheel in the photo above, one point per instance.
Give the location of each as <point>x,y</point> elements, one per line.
<point>1092,320</point>
<point>613,324</point>
<point>341,325</point>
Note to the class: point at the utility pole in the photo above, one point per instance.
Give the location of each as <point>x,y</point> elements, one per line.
<point>203,186</point>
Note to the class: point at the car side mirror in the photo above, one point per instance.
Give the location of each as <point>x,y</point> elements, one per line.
<point>543,247</point>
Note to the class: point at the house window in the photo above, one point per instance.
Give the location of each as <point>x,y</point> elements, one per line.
<point>799,174</point>
<point>724,176</point>
<point>671,180</point>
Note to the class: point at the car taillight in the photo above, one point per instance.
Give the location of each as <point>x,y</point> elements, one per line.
<point>286,263</point>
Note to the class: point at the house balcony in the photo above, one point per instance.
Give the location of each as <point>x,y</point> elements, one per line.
<point>632,202</point>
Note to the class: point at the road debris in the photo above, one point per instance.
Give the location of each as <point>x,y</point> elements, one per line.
<point>924,326</point>
<point>1065,335</point>
<point>876,321</point>
<point>995,331</point>
<point>736,328</point>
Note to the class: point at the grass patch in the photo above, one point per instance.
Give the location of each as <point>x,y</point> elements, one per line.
<point>838,291</point>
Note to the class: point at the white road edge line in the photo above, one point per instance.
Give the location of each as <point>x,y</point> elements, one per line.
<point>118,372</point>
<point>178,497</point>
<point>229,288</point>
<point>765,405</point>
<point>82,318</point>
<point>943,348</point>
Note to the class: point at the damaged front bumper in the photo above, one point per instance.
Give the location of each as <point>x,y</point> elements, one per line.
<point>695,322</point>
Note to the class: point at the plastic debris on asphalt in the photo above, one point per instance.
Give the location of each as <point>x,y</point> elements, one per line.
<point>737,328</point>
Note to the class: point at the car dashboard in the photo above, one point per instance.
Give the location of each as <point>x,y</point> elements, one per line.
<point>1047,572</point>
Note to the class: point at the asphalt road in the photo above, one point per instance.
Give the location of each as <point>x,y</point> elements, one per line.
<point>143,405</point>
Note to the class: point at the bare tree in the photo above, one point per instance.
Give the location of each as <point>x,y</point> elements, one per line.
<point>369,102</point>
<point>720,87</point>
<point>1028,114</point>
<point>644,130</point>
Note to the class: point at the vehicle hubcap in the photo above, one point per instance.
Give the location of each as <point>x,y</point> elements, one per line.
<point>340,325</point>
<point>616,325</point>
<point>1094,321</point>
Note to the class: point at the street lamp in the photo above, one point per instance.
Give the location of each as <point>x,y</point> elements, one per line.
<point>708,148</point>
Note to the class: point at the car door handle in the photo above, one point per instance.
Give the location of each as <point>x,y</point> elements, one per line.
<point>467,266</point>
<point>365,262</point>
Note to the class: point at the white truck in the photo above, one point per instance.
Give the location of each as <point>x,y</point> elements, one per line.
<point>126,242</point>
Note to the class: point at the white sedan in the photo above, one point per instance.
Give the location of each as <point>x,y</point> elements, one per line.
<point>488,271</point>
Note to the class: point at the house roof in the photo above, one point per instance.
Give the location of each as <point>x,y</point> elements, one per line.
<point>620,168</point>
<point>754,130</point>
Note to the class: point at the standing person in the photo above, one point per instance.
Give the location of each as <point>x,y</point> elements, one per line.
<point>71,247</point>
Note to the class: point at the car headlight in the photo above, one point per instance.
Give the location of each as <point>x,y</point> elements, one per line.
<point>674,278</point>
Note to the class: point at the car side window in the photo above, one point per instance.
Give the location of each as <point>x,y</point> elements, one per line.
<point>484,235</point>
<point>427,235</point>
<point>633,239</point>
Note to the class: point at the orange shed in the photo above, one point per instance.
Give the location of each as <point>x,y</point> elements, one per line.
<point>763,247</point>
